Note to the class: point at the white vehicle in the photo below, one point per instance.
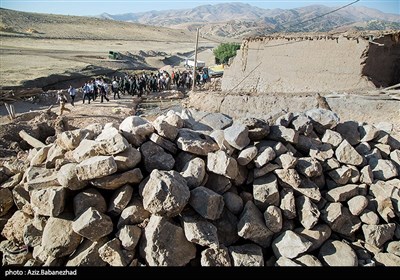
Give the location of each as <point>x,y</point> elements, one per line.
<point>189,63</point>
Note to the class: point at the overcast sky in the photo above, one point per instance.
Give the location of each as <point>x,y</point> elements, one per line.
<point>96,7</point>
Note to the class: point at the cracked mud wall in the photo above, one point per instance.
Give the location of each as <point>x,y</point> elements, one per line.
<point>312,64</point>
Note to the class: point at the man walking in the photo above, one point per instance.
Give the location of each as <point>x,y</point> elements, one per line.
<point>72,93</point>
<point>62,99</point>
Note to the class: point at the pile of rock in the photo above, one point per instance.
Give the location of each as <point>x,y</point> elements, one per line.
<point>193,188</point>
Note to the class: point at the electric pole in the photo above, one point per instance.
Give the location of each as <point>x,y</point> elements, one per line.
<point>195,60</point>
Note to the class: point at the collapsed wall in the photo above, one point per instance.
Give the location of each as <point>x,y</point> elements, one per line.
<point>314,63</point>
<point>198,188</point>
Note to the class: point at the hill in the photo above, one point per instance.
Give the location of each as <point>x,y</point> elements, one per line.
<point>37,25</point>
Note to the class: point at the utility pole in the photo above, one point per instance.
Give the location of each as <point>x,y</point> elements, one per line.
<point>195,60</point>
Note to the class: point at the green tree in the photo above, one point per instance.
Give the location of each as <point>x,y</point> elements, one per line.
<point>225,51</point>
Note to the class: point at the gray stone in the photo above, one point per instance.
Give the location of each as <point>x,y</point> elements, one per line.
<point>252,226</point>
<point>265,155</point>
<point>195,142</point>
<point>309,189</point>
<point>21,196</point>
<point>282,261</point>
<point>237,135</point>
<point>281,133</point>
<point>286,161</point>
<point>357,204</point>
<point>384,149</point>
<point>96,167</point>
<point>113,254</point>
<point>166,193</point>
<point>323,119</point>
<point>269,167</point>
<point>332,137</point>
<point>119,200</point>
<point>265,191</point>
<point>340,219</point>
<point>198,230</point>
<point>317,235</point>
<point>343,193</point>
<point>289,244</point>
<point>6,201</point>
<point>218,183</point>
<point>340,175</point>
<point>168,125</point>
<point>222,164</point>
<point>133,214</point>
<point>387,259</point>
<point>89,198</point>
<point>135,129</point>
<point>377,235</point>
<point>128,159</point>
<point>258,129</point>
<point>164,143</point>
<point>242,177</point>
<point>346,154</point>
<point>393,248</point>
<point>70,139</point>
<point>383,169</point>
<point>307,211</point>
<point>305,143</point>
<point>233,202</point>
<point>129,236</point>
<point>366,176</point>
<point>321,152</point>
<point>67,177</point>
<point>227,228</point>
<point>246,255</point>
<point>48,201</point>
<point>14,228</point>
<point>247,155</point>
<point>337,253</point>
<point>117,180</point>
<point>194,172</point>
<point>87,254</point>
<point>59,239</point>
<point>181,159</point>
<point>368,132</point>
<point>309,167</point>
<point>308,260</point>
<point>111,142</point>
<point>216,120</point>
<point>86,149</point>
<point>40,156</point>
<point>92,224</point>
<point>288,204</point>
<point>285,119</point>
<point>164,244</point>
<point>273,218</point>
<point>288,177</point>
<point>355,175</point>
<point>33,231</point>
<point>215,257</point>
<point>349,131</point>
<point>45,179</point>
<point>155,157</point>
<point>330,164</point>
<point>16,179</point>
<point>219,138</point>
<point>55,152</point>
<point>302,124</point>
<point>206,202</point>
<point>369,217</point>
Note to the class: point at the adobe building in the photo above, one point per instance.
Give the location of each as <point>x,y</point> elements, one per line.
<point>315,63</point>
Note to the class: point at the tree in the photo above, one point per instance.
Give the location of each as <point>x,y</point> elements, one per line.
<point>225,51</point>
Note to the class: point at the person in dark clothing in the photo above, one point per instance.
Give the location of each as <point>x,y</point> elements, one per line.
<point>103,93</point>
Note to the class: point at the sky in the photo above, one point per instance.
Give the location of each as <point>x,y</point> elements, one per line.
<point>96,7</point>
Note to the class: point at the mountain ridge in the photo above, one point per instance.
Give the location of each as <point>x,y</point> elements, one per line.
<point>238,19</point>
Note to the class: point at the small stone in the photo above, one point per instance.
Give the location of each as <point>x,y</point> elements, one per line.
<point>129,236</point>
<point>377,235</point>
<point>92,224</point>
<point>332,137</point>
<point>215,257</point>
<point>368,217</point>
<point>155,157</point>
<point>273,218</point>
<point>286,161</point>
<point>195,142</point>
<point>317,235</point>
<point>96,167</point>
<point>264,156</point>
<point>357,204</point>
<point>194,172</point>
<point>207,203</point>
<point>233,202</point>
<point>222,164</point>
<point>247,255</point>
<point>112,253</point>
<point>383,169</point>
<point>346,154</point>
<point>237,135</point>
<point>247,155</point>
<point>198,230</point>
<point>288,204</point>
<point>119,200</point>
<point>340,175</point>
<point>337,253</point>
<point>343,193</point>
<point>89,198</point>
<point>309,167</point>
<point>265,191</point>
<point>307,211</point>
<point>349,131</point>
<point>308,260</point>
<point>289,244</point>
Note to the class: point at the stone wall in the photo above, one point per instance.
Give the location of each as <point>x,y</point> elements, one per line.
<point>314,63</point>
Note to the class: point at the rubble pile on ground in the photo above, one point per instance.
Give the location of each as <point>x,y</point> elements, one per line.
<point>193,188</point>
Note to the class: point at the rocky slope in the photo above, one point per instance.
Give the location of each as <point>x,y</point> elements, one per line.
<point>194,188</point>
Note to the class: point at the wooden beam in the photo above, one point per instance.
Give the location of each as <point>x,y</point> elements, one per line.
<point>31,140</point>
